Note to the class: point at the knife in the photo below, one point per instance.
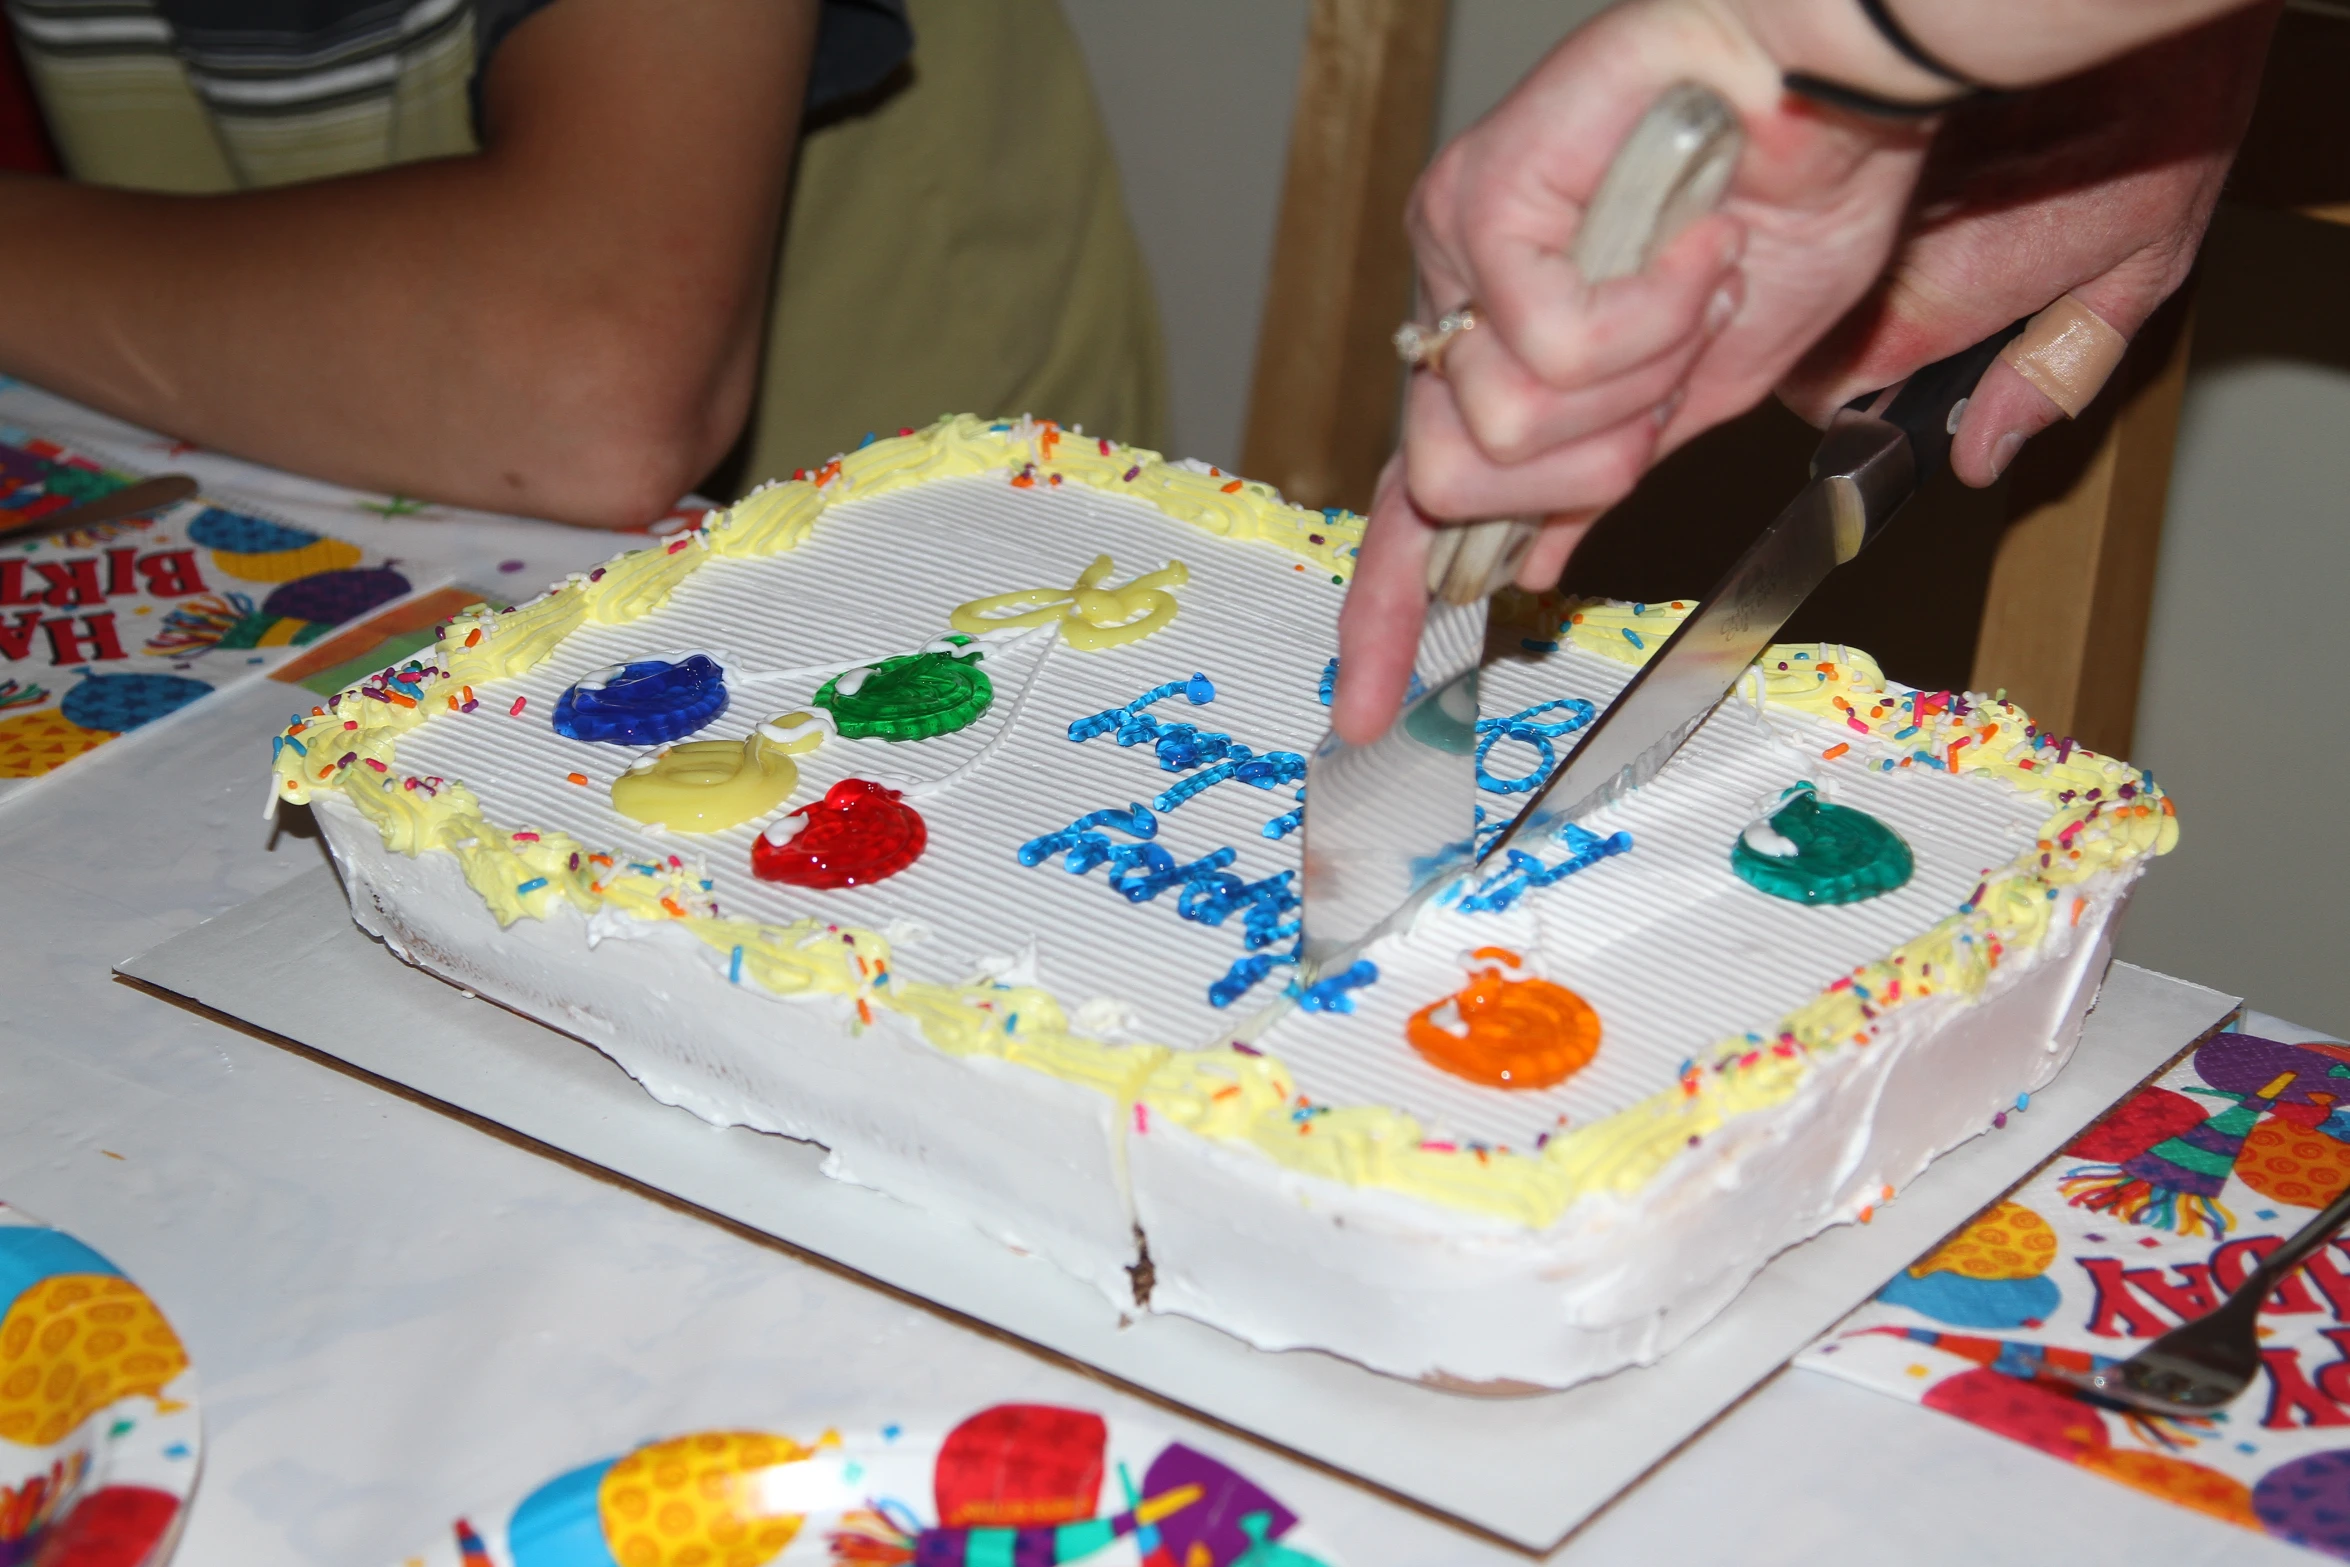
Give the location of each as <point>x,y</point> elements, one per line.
<point>154,494</point>
<point>1877,453</point>
<point>1386,820</point>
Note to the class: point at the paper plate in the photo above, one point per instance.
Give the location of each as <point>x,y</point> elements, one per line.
<point>100,1439</point>
<point>1014,1485</point>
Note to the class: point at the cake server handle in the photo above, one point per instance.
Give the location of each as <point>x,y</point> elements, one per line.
<point>1669,172</point>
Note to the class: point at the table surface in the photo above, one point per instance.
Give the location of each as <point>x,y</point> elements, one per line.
<point>397,1315</point>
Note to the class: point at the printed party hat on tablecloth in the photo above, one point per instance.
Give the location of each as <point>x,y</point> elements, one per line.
<point>2167,1175</point>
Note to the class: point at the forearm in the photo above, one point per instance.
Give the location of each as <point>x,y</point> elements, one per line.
<point>2002,43</point>
<point>396,332</point>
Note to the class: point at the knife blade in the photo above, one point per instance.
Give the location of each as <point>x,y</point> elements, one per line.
<point>1877,453</point>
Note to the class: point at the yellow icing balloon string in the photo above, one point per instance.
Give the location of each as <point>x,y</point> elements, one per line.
<point>1091,617</point>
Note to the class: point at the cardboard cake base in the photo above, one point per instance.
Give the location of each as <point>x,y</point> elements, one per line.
<point>1527,1469</point>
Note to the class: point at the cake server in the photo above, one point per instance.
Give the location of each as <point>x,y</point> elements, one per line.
<point>1384,821</point>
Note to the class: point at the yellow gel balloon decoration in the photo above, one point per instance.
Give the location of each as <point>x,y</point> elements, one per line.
<point>710,785</point>
<point>1091,617</point>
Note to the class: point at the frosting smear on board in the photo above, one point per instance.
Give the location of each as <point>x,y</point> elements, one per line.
<point>1110,773</point>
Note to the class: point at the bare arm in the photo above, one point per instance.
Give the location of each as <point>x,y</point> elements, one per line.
<point>564,325</point>
<point>2001,43</point>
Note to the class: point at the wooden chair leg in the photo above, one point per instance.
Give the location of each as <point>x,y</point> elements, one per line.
<point>1322,407</point>
<point>2064,623</point>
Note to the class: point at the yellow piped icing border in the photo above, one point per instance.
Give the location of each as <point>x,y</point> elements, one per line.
<point>2103,814</point>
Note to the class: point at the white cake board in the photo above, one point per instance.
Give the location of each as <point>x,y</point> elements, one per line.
<point>1529,1470</point>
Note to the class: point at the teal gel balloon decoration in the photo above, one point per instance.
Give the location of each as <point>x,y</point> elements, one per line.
<point>1841,855</point>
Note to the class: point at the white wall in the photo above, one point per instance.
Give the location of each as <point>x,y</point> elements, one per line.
<point>1197,96</point>
<point>1197,99</point>
<point>2244,716</point>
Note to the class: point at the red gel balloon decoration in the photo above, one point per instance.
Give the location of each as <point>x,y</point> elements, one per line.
<point>858,833</point>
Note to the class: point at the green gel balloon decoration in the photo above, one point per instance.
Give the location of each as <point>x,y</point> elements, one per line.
<point>913,697</point>
<point>1841,855</point>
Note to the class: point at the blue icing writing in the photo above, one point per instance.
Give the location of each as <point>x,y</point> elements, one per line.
<point>1207,892</point>
<point>1330,994</point>
<point>1085,847</point>
<point>1245,975</point>
<point>1261,905</point>
<point>1139,872</point>
<point>1527,728</point>
<point>1198,691</point>
<point>1269,771</point>
<point>1496,893</point>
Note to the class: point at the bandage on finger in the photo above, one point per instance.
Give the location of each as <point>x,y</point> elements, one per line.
<point>2068,352</point>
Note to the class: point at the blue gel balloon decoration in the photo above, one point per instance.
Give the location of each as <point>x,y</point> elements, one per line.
<point>648,703</point>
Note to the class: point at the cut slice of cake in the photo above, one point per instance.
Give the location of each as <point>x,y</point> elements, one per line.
<point>940,807</point>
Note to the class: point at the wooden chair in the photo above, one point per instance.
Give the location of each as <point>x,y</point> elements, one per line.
<point>2070,577</point>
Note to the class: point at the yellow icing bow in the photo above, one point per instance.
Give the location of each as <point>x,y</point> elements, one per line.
<point>1090,616</point>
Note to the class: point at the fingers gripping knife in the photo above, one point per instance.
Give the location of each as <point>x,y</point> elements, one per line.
<point>1386,823</point>
<point>1383,820</point>
<point>1669,173</point>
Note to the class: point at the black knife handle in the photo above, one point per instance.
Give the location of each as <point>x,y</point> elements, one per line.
<point>1921,407</point>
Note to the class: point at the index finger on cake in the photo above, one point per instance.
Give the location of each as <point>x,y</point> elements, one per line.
<point>1379,627</point>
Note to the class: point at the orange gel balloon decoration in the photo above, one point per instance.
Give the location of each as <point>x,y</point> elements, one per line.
<point>1507,1033</point>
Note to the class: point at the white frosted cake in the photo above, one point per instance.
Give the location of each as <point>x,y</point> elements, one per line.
<point>939,807</point>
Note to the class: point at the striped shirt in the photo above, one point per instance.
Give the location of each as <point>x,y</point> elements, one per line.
<point>213,95</point>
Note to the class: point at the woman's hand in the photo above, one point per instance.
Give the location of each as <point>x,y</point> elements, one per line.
<point>2100,186</point>
<point>1564,394</point>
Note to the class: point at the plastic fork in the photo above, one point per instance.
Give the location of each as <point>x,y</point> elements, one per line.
<point>2207,1364</point>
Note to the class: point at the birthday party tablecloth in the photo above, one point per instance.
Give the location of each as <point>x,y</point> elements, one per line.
<point>113,625</point>
<point>2148,1219</point>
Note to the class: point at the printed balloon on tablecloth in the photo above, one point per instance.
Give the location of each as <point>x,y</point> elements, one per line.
<point>33,744</point>
<point>2293,1164</point>
<point>258,550</point>
<point>333,597</point>
<point>701,1500</point>
<point>121,702</point>
<point>119,1526</point>
<point>92,713</point>
<point>75,1335</point>
<point>2284,1074</point>
<point>1992,1274</point>
<point>2307,1501</point>
<point>1019,1465</point>
<point>2025,1412</point>
<point>2179,1480</point>
<point>1213,1530</point>
<point>2136,1124</point>
<point>76,1339</point>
